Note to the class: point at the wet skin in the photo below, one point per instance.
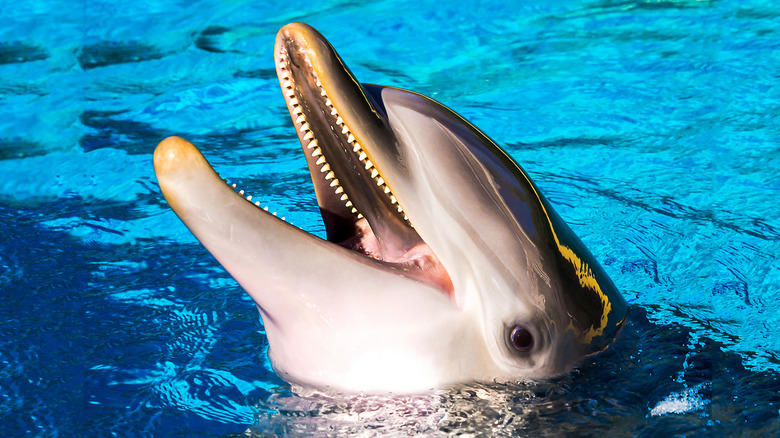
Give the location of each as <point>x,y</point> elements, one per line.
<point>443,261</point>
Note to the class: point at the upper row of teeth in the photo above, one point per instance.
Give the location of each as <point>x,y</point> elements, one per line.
<point>316,151</point>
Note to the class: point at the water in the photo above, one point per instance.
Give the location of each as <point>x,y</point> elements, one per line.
<point>653,127</point>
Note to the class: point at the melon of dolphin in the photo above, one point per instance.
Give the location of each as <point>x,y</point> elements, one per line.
<point>443,262</point>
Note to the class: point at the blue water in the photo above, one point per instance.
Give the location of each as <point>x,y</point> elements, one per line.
<point>653,127</point>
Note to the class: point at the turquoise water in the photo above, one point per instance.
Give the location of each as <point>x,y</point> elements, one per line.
<point>653,127</point>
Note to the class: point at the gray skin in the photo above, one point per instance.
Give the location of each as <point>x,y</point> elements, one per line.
<point>443,261</point>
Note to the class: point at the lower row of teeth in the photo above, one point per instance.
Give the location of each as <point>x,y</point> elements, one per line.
<point>249,198</point>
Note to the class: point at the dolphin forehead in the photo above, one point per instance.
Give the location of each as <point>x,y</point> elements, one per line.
<point>485,202</point>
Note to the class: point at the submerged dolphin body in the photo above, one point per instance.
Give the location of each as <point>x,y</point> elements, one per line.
<point>443,262</point>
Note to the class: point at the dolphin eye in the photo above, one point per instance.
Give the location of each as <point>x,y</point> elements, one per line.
<point>521,339</point>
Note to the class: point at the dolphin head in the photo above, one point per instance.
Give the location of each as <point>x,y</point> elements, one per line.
<point>443,261</point>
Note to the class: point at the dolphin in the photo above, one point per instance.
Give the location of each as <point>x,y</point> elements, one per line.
<point>443,262</point>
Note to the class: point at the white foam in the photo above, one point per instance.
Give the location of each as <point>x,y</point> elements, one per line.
<point>680,403</point>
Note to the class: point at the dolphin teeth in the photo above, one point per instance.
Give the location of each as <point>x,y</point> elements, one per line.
<point>241,192</point>
<point>257,203</point>
<point>294,103</point>
<point>274,213</point>
<point>233,185</point>
<point>249,198</point>
<point>265,208</point>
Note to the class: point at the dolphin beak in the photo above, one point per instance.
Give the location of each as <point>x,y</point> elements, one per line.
<point>261,251</point>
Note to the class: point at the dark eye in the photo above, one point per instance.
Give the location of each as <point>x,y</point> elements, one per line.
<point>521,339</point>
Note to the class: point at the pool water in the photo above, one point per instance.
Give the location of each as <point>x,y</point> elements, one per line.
<point>653,127</point>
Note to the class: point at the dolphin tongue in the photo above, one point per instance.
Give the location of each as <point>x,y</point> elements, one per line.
<point>415,261</point>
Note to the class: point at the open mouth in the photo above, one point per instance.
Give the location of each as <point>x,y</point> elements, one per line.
<point>330,111</point>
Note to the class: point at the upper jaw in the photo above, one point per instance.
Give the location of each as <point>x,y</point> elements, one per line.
<point>340,131</point>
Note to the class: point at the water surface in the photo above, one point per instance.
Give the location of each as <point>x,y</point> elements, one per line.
<point>653,127</point>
